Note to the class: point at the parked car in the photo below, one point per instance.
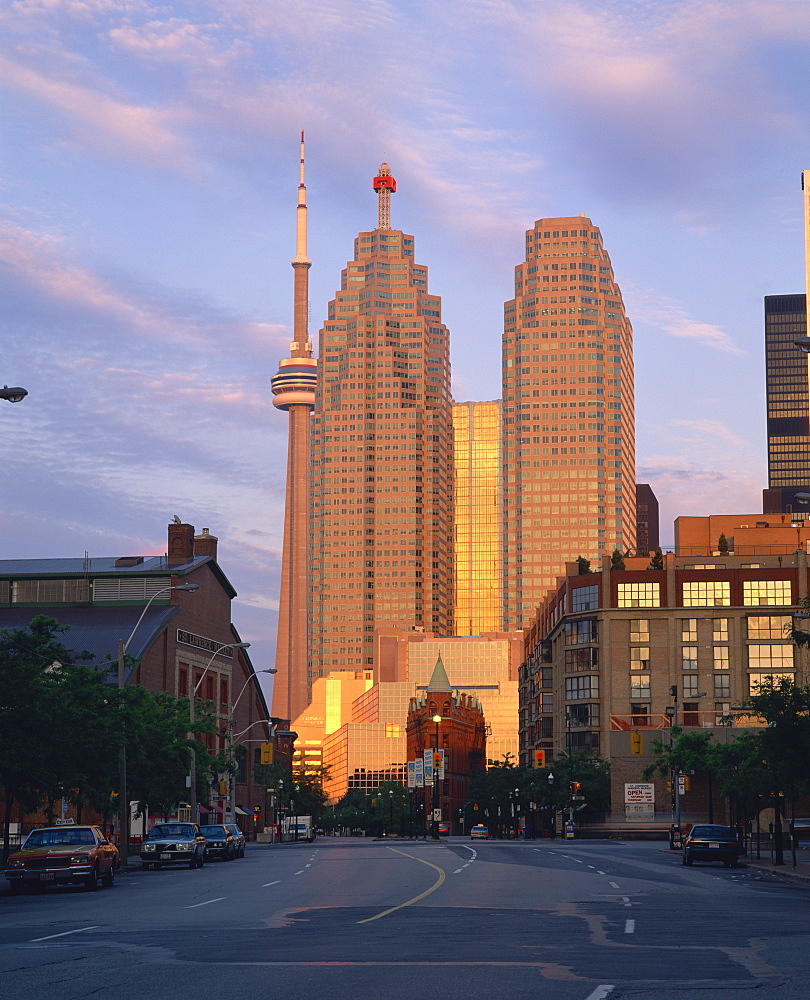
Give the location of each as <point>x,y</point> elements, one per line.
<point>173,844</point>
<point>479,832</point>
<point>219,842</point>
<point>59,855</point>
<point>238,839</point>
<point>710,842</point>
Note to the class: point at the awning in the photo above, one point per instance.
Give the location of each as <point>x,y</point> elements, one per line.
<point>205,810</point>
<point>218,809</point>
<point>243,812</point>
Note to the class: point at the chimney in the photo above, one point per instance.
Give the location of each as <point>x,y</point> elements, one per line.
<point>181,543</point>
<point>205,544</point>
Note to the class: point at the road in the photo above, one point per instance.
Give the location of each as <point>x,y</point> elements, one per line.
<point>455,920</point>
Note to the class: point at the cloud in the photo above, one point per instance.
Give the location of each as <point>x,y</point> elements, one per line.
<point>669,316</point>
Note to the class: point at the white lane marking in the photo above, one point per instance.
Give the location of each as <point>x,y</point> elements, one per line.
<point>600,873</point>
<point>457,871</point>
<point>301,872</point>
<point>600,993</point>
<point>307,866</point>
<point>271,883</point>
<point>78,930</point>
<point>626,900</point>
<point>207,901</point>
<point>614,884</point>
<point>629,926</point>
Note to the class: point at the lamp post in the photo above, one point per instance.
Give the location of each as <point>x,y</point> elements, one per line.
<point>552,810</point>
<point>123,793</point>
<point>191,708</point>
<point>434,827</point>
<point>13,393</point>
<point>390,811</point>
<point>231,723</point>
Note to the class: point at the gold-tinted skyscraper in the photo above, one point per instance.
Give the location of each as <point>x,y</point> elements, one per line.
<point>382,478</point>
<point>294,391</point>
<point>477,450</point>
<point>568,413</point>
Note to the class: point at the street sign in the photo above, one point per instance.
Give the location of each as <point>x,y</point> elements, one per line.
<point>411,774</point>
<point>419,772</point>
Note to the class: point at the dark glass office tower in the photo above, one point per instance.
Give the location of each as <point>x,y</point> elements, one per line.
<point>786,372</point>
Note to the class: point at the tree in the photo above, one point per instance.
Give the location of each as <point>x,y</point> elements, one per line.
<point>722,545</point>
<point>617,560</point>
<point>657,560</point>
<point>583,565</point>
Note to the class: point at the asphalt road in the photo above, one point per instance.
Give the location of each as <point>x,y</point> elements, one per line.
<point>365,920</point>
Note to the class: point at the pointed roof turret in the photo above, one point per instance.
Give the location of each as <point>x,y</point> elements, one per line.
<point>439,684</point>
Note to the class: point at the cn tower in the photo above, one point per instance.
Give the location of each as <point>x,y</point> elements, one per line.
<point>294,391</point>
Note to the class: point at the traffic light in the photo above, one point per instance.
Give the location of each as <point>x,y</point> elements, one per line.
<point>437,760</point>
<point>576,787</point>
<point>267,753</point>
<point>223,787</point>
<point>636,743</point>
<point>539,758</point>
<point>257,811</point>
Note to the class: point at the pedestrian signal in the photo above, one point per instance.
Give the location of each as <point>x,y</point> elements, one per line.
<point>636,743</point>
<point>539,758</point>
<point>267,753</point>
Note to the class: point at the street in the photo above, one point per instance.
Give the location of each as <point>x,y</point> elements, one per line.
<point>363,919</point>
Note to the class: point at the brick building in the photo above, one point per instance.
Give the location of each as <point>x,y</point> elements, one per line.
<point>183,639</point>
<point>614,653</point>
<point>460,734</point>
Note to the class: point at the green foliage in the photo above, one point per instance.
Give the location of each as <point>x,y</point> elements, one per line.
<point>657,560</point>
<point>583,565</point>
<point>617,560</point>
<point>722,545</point>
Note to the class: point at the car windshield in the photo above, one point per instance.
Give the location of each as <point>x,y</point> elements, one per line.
<point>63,835</point>
<point>171,830</point>
<point>712,831</point>
<point>214,831</point>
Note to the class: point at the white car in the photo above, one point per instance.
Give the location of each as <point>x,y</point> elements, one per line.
<point>479,832</point>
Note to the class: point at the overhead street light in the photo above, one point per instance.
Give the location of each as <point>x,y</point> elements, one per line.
<point>232,723</point>
<point>13,393</point>
<point>191,706</point>
<point>123,794</point>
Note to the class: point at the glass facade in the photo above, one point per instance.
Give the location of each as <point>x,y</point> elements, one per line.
<point>364,756</point>
<point>568,413</point>
<point>477,451</point>
<point>787,392</point>
<point>381,529</point>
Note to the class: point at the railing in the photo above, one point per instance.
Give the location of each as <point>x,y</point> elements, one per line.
<point>704,719</point>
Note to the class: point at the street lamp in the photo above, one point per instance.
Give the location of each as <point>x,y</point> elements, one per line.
<point>434,827</point>
<point>13,393</point>
<point>123,794</point>
<point>231,723</point>
<point>552,810</point>
<point>390,811</point>
<point>191,707</point>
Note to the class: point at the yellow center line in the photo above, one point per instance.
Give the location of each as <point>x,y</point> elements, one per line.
<point>415,899</point>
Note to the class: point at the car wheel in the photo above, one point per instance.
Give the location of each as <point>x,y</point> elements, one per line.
<point>108,880</point>
<point>201,860</point>
<point>687,859</point>
<point>193,862</point>
<point>17,888</point>
<point>91,882</point>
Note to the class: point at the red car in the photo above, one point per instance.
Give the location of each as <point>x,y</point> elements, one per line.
<point>60,855</point>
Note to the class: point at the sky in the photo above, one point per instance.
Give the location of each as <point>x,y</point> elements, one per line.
<point>148,176</point>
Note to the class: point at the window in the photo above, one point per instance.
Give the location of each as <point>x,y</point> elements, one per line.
<point>766,592</point>
<point>770,657</point>
<point>639,686</point>
<point>691,712</point>
<point>690,686</point>
<point>706,593</point>
<point>640,714</point>
<point>639,595</point>
<point>719,629</point>
<point>584,715</point>
<point>639,630</point>
<point>689,630</point>
<point>581,688</point>
<point>584,630</point>
<point>768,627</point>
<point>640,658</point>
<point>721,657</point>
<point>689,658</point>
<point>721,710</point>
<point>754,680</point>
<point>584,598</point>
<point>581,659</point>
<point>722,685</point>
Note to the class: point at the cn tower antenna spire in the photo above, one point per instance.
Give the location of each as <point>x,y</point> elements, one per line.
<point>384,184</point>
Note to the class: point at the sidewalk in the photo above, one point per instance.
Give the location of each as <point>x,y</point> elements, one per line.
<point>801,873</point>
